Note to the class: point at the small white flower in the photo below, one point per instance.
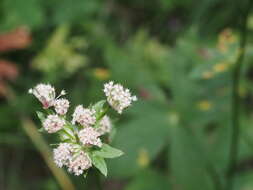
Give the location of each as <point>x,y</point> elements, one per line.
<point>53,123</point>
<point>63,92</point>
<point>78,164</point>
<point>118,97</point>
<point>45,93</point>
<point>61,106</point>
<point>105,125</point>
<point>89,136</point>
<point>84,116</point>
<point>62,154</point>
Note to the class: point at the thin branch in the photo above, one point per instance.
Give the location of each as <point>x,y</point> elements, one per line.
<point>236,76</point>
<point>62,178</point>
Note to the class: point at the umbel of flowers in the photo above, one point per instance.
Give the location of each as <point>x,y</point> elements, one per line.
<point>81,143</point>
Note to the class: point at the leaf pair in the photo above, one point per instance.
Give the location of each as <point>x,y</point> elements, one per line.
<point>98,157</point>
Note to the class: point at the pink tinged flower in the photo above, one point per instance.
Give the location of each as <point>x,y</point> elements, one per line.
<point>62,154</point>
<point>105,125</point>
<point>78,164</point>
<point>85,117</point>
<point>61,106</point>
<point>45,94</point>
<point>53,123</point>
<point>89,136</point>
<point>118,97</point>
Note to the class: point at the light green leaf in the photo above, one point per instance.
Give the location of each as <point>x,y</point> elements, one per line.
<point>108,152</point>
<point>41,116</point>
<point>100,111</point>
<point>99,163</point>
<point>99,105</point>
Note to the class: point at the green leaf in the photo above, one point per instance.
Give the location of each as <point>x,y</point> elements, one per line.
<point>99,105</point>
<point>99,163</point>
<point>100,111</point>
<point>41,116</point>
<point>108,152</point>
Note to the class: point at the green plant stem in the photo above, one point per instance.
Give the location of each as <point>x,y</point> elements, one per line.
<point>39,142</point>
<point>102,114</point>
<point>236,76</point>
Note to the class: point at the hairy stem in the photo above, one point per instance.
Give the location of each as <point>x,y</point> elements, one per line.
<point>236,76</point>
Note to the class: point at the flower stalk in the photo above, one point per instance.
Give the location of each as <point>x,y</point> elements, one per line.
<point>236,76</point>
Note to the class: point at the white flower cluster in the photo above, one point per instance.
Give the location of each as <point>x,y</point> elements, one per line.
<point>89,136</point>
<point>118,97</point>
<point>61,106</point>
<point>79,164</point>
<point>53,123</point>
<point>84,116</point>
<point>82,135</point>
<point>64,156</point>
<point>45,93</point>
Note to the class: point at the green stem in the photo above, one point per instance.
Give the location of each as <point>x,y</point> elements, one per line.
<point>102,114</point>
<point>68,134</point>
<point>236,76</point>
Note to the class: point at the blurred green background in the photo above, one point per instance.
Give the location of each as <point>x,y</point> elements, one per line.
<point>177,56</point>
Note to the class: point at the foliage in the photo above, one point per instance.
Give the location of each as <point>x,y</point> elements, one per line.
<point>178,56</point>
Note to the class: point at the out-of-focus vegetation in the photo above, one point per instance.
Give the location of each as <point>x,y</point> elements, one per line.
<point>177,55</point>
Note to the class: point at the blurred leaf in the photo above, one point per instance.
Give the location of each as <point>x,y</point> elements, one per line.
<point>149,180</point>
<point>147,133</point>
<point>8,70</point>
<point>244,181</point>
<point>188,168</point>
<point>17,13</point>
<point>58,54</point>
<point>146,59</point>
<point>17,39</point>
<point>67,11</point>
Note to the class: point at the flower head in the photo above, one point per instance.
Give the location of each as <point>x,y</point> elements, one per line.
<point>105,125</point>
<point>53,123</point>
<point>45,93</point>
<point>62,154</point>
<point>84,116</point>
<point>61,106</point>
<point>78,164</point>
<point>118,97</point>
<point>89,136</point>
